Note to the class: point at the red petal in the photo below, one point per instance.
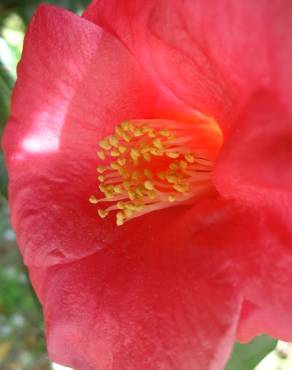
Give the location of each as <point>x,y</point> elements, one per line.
<point>255,167</point>
<point>267,281</point>
<point>281,53</point>
<point>212,55</point>
<point>224,252</point>
<point>172,306</point>
<point>255,163</point>
<point>75,82</point>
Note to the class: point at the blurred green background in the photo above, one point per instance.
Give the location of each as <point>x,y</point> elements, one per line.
<point>22,343</point>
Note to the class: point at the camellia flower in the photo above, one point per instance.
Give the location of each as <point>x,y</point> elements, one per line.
<point>149,152</point>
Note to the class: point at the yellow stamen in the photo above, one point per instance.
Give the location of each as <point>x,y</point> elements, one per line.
<point>115,166</point>
<point>154,164</point>
<point>102,213</point>
<point>183,165</point>
<point>158,144</point>
<point>189,158</point>
<point>93,199</point>
<point>148,185</point>
<point>119,131</point>
<point>101,169</point>
<point>165,133</point>
<point>101,155</point>
<point>120,218</point>
<point>171,198</point>
<point>121,161</point>
<point>125,125</point>
<point>117,189</point>
<point>104,144</point>
<point>180,188</point>
<point>147,157</point>
<point>115,153</point>
<point>138,132</point>
<point>122,149</point>
<point>113,140</point>
<point>172,154</point>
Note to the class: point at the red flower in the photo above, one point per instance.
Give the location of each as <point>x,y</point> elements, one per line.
<point>210,258</point>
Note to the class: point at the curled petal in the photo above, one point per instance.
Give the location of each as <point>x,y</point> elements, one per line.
<point>267,281</point>
<point>142,306</point>
<point>75,83</point>
<point>205,52</point>
<point>254,164</point>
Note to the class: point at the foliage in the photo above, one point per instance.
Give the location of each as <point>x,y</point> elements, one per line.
<point>21,324</point>
<point>26,8</point>
<point>247,356</point>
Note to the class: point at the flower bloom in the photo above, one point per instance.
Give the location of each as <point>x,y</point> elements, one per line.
<point>181,241</point>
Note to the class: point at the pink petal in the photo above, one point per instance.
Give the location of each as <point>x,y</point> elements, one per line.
<point>267,281</point>
<point>75,83</point>
<point>212,55</point>
<point>254,167</point>
<point>254,164</point>
<point>173,306</point>
<point>138,300</point>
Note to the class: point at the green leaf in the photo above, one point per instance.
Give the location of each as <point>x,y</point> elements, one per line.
<point>5,93</point>
<point>248,356</point>
<point>6,76</point>
<point>6,85</point>
<point>3,177</point>
<point>26,8</point>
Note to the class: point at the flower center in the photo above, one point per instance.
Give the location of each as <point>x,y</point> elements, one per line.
<point>148,165</point>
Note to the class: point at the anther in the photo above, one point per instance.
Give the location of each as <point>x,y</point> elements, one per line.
<point>148,185</point>
<point>93,199</point>
<point>101,155</point>
<point>101,169</point>
<point>172,154</point>
<point>189,158</point>
<point>153,164</point>
<point>102,213</point>
<point>104,144</point>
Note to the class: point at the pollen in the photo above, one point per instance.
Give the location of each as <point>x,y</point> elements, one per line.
<point>148,165</point>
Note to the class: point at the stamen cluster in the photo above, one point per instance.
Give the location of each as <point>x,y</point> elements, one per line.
<point>149,165</point>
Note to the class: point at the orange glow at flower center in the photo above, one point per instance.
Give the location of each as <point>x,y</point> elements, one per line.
<point>148,165</point>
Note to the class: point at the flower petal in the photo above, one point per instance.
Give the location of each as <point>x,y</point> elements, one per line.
<point>254,164</point>
<point>254,167</point>
<point>75,83</point>
<point>133,306</point>
<point>267,281</point>
<point>205,52</point>
<point>225,249</point>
